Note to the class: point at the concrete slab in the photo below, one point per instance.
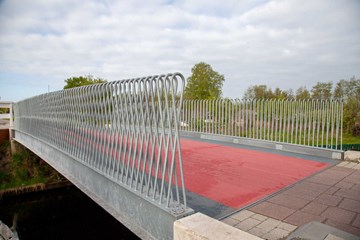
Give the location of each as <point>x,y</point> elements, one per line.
<point>353,156</point>
<point>318,231</point>
<point>201,227</point>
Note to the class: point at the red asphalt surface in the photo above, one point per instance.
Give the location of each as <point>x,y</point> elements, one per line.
<point>236,177</point>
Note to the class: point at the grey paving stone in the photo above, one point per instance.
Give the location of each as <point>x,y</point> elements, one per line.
<point>314,208</point>
<point>259,217</point>
<point>272,210</point>
<point>302,193</point>
<point>356,222</point>
<point>247,224</point>
<point>258,231</point>
<point>333,237</point>
<point>353,178</point>
<point>356,187</point>
<point>348,193</point>
<point>343,163</point>
<point>332,190</point>
<point>287,226</point>
<point>230,221</point>
<point>276,234</point>
<point>344,184</point>
<point>343,227</point>
<point>318,231</point>
<point>323,180</point>
<point>240,216</point>
<point>351,205</point>
<point>301,218</point>
<point>327,199</point>
<point>269,224</point>
<point>289,201</point>
<point>339,215</point>
<point>311,186</point>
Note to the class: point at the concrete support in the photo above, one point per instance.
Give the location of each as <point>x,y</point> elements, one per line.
<point>12,141</point>
<point>201,227</point>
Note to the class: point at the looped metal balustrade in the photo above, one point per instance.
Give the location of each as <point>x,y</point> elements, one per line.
<point>127,131</point>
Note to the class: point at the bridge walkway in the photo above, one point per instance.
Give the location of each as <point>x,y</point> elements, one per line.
<point>223,178</point>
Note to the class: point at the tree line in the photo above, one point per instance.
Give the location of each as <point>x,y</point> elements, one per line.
<point>206,83</point>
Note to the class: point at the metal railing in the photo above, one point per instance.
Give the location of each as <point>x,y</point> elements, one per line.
<point>316,123</point>
<point>6,115</point>
<point>127,130</point>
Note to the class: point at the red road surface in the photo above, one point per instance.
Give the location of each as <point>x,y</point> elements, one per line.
<point>237,177</point>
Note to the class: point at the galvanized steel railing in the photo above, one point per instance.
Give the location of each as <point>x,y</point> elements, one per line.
<point>6,115</point>
<point>316,123</point>
<point>128,130</point>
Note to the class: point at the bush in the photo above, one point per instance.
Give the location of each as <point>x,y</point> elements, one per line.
<point>356,130</point>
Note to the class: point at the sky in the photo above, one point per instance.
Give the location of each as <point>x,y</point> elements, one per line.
<point>285,44</point>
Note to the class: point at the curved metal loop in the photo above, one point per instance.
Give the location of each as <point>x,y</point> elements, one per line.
<point>128,130</point>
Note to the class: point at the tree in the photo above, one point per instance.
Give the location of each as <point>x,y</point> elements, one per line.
<point>82,81</point>
<point>258,91</point>
<point>302,93</point>
<point>340,89</point>
<point>204,83</point>
<point>349,91</point>
<point>283,94</point>
<point>322,90</point>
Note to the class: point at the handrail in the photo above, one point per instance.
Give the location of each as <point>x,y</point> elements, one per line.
<point>128,130</point>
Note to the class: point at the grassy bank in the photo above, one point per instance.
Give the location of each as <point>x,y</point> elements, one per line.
<point>24,168</point>
<point>350,139</point>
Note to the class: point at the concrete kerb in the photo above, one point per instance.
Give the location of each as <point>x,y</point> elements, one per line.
<point>201,227</point>
<point>286,147</point>
<point>352,156</point>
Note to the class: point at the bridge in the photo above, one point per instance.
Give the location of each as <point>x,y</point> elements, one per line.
<point>149,158</point>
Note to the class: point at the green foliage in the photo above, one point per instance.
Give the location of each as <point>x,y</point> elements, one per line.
<point>265,92</point>
<point>348,138</point>
<point>82,81</point>
<point>25,168</point>
<point>322,90</point>
<point>302,93</point>
<point>204,83</point>
<point>348,90</point>
<point>356,130</point>
<point>258,91</point>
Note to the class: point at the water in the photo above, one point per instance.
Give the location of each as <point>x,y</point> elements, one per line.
<point>65,213</point>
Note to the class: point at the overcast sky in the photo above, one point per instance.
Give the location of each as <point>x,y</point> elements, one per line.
<point>284,44</point>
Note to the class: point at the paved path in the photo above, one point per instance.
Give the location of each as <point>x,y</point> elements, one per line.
<point>331,197</point>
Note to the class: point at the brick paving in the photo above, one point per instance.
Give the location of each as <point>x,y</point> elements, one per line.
<point>331,197</point>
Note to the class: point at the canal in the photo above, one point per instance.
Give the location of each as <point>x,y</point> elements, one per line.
<point>64,213</point>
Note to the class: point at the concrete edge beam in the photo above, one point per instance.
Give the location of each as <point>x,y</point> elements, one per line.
<point>142,217</point>
<point>286,147</point>
<point>201,227</point>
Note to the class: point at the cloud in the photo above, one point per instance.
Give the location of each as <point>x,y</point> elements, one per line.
<point>279,43</point>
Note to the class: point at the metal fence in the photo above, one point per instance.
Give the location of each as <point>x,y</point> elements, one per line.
<point>127,130</point>
<point>316,123</point>
<point>6,115</point>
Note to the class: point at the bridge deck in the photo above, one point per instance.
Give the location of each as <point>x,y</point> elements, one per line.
<point>222,178</point>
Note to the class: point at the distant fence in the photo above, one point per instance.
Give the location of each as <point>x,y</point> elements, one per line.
<point>316,123</point>
<point>127,130</point>
<point>6,115</point>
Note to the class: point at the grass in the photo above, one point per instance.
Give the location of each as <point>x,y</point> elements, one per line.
<point>350,139</point>
<point>23,168</point>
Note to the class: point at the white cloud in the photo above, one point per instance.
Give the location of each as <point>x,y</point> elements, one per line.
<point>280,43</point>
